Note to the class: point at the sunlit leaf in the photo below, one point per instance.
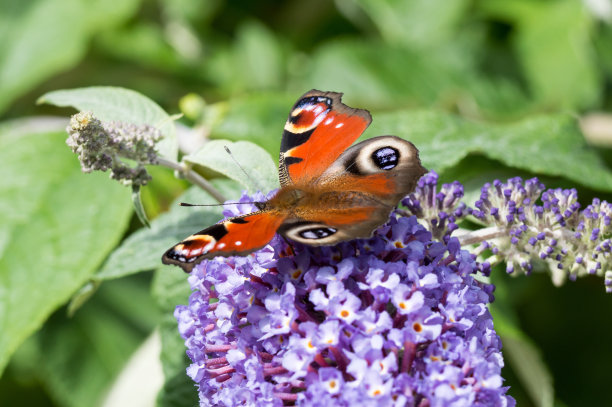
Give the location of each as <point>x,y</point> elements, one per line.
<point>254,61</point>
<point>260,172</point>
<point>57,226</point>
<point>444,76</point>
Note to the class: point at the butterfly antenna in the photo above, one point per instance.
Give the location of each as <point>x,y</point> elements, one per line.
<point>253,182</point>
<point>219,204</point>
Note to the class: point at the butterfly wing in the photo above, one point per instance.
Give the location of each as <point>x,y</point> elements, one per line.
<point>319,128</point>
<point>236,236</point>
<point>349,191</point>
<point>358,192</point>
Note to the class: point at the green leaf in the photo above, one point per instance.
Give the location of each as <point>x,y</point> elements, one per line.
<point>548,144</point>
<point>603,43</point>
<point>445,75</point>
<point>119,104</point>
<point>142,43</point>
<point>254,61</point>
<point>528,364</point>
<point>258,118</point>
<point>143,249</point>
<point>77,358</point>
<point>553,42</point>
<point>57,225</point>
<point>194,11</point>
<point>519,351</point>
<point>82,296</point>
<point>416,23</point>
<point>258,56</point>
<point>170,288</point>
<point>260,168</point>
<point>41,38</point>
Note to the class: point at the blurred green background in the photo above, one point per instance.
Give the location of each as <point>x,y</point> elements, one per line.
<point>234,68</point>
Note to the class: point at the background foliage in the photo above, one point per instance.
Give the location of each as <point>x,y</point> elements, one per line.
<point>486,89</point>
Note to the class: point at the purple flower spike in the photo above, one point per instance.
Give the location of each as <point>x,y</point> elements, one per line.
<point>397,319</point>
<point>547,225</point>
<point>440,209</point>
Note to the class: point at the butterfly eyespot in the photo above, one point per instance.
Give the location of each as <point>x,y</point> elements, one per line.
<point>386,158</point>
<point>309,233</point>
<point>317,233</point>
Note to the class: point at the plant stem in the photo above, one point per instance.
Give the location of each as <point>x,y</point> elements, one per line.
<point>480,235</point>
<point>193,177</point>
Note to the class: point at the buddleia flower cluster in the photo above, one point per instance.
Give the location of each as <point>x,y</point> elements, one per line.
<point>399,319</point>
<point>395,320</point>
<point>440,210</point>
<point>525,226</point>
<point>103,146</point>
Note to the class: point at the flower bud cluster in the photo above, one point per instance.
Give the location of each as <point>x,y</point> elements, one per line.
<point>529,226</point>
<point>439,209</point>
<point>103,146</point>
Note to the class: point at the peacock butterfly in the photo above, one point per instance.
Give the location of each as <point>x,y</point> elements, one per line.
<point>329,193</point>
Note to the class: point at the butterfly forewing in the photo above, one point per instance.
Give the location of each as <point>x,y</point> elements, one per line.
<point>319,128</point>
<point>235,236</point>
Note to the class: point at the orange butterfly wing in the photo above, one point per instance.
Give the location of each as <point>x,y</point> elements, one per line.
<point>356,193</point>
<point>319,128</point>
<point>329,192</point>
<point>236,236</point>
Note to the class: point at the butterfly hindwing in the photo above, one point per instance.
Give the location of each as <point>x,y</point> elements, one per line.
<point>364,185</point>
<point>234,236</point>
<point>325,228</point>
<point>387,167</point>
<point>319,128</point>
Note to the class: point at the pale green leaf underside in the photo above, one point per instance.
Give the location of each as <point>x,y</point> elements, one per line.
<point>261,170</point>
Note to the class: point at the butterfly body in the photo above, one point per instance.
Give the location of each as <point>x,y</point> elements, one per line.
<point>329,193</point>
